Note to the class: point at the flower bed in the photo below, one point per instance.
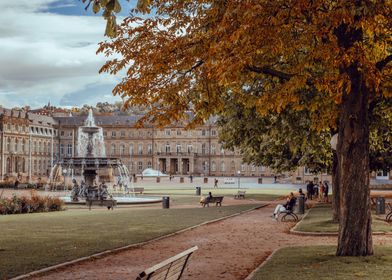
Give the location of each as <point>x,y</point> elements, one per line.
<point>33,204</point>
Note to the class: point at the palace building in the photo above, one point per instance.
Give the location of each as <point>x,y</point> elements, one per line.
<point>32,142</point>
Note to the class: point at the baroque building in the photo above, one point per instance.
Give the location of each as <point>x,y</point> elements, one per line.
<point>31,143</point>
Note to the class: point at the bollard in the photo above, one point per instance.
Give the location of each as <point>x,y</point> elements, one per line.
<point>260,180</point>
<point>166,202</point>
<point>301,204</point>
<point>198,190</point>
<point>380,205</point>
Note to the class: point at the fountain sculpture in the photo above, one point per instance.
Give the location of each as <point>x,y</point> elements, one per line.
<point>91,157</point>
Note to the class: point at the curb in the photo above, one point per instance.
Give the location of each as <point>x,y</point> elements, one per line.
<point>252,274</point>
<point>313,233</point>
<point>124,248</point>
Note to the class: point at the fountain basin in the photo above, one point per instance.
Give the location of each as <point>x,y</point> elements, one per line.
<point>121,200</point>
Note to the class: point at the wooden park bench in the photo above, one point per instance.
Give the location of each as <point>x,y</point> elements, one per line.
<point>215,199</point>
<point>109,203</point>
<point>388,218</point>
<point>288,213</point>
<point>169,269</point>
<point>240,194</point>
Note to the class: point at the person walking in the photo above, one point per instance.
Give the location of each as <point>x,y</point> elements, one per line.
<point>321,192</point>
<point>215,183</point>
<point>326,191</point>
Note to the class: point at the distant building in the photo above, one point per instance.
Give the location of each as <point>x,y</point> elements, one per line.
<point>32,142</point>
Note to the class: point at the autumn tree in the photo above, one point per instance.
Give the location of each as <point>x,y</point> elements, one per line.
<point>189,55</point>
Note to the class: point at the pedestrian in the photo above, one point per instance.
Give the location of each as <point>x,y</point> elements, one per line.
<point>215,183</point>
<point>321,192</point>
<point>326,191</point>
<point>191,178</point>
<point>16,184</point>
<point>310,190</point>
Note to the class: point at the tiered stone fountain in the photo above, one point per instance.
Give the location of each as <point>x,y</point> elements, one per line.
<point>91,157</point>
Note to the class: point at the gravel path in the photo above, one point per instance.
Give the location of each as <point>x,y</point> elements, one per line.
<point>229,249</point>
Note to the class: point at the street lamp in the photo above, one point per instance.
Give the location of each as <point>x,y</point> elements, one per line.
<point>64,174</point>
<point>239,174</point>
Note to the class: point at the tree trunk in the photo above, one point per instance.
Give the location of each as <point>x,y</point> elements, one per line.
<point>335,189</point>
<point>355,231</point>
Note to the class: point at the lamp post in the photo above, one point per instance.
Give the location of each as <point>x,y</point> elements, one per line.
<point>64,173</point>
<point>239,183</point>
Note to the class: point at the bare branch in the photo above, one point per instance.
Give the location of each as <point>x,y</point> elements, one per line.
<point>382,63</point>
<point>269,71</point>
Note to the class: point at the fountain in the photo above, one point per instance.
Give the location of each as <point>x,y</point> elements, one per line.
<point>91,157</point>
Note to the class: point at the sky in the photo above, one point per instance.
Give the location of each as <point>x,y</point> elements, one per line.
<point>48,54</point>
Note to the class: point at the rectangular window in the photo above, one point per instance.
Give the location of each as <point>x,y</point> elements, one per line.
<point>167,132</point>
<point>213,132</point>
<point>62,133</point>
<point>122,133</point>
<point>140,166</point>
<point>178,148</point>
<point>113,134</point>
<point>178,132</point>
<point>62,149</point>
<point>140,149</point>
<point>203,132</point>
<point>189,149</point>
<point>69,150</point>
<point>149,149</point>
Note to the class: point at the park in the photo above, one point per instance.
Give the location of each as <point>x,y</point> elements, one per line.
<point>217,140</point>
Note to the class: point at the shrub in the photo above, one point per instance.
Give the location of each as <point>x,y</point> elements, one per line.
<point>18,205</point>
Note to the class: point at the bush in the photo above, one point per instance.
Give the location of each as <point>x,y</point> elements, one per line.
<point>33,204</point>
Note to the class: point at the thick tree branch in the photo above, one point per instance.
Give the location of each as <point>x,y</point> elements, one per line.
<point>269,71</point>
<point>199,63</point>
<point>382,63</point>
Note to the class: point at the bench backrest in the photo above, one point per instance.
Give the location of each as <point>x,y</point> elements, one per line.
<point>214,199</point>
<point>241,192</point>
<point>169,269</point>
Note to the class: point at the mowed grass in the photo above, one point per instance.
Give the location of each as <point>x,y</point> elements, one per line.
<point>320,262</point>
<point>319,219</point>
<point>32,241</point>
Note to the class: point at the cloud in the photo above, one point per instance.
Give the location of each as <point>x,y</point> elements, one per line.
<point>50,56</point>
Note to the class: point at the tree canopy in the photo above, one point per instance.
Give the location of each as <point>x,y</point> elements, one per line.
<point>271,56</point>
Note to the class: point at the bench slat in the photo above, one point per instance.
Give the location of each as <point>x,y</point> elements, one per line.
<point>162,269</point>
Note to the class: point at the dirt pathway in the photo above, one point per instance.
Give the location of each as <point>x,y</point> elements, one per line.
<point>229,249</point>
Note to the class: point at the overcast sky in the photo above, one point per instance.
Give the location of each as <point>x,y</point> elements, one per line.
<point>47,53</point>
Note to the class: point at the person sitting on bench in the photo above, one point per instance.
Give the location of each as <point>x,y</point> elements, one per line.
<point>288,206</point>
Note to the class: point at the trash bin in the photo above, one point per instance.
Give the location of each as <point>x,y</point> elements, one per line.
<point>166,202</point>
<point>260,180</point>
<point>198,190</point>
<point>301,204</point>
<point>205,180</point>
<point>380,205</point>
<point>181,179</point>
<point>158,179</point>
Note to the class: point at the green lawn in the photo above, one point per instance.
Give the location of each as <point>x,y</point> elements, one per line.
<point>319,219</point>
<point>319,262</point>
<point>33,241</point>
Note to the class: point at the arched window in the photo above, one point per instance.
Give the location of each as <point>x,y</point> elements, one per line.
<point>223,167</point>
<point>213,166</point>
<point>16,145</point>
<point>122,150</point>
<point>131,149</point>
<point>149,164</point>
<point>232,166</point>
